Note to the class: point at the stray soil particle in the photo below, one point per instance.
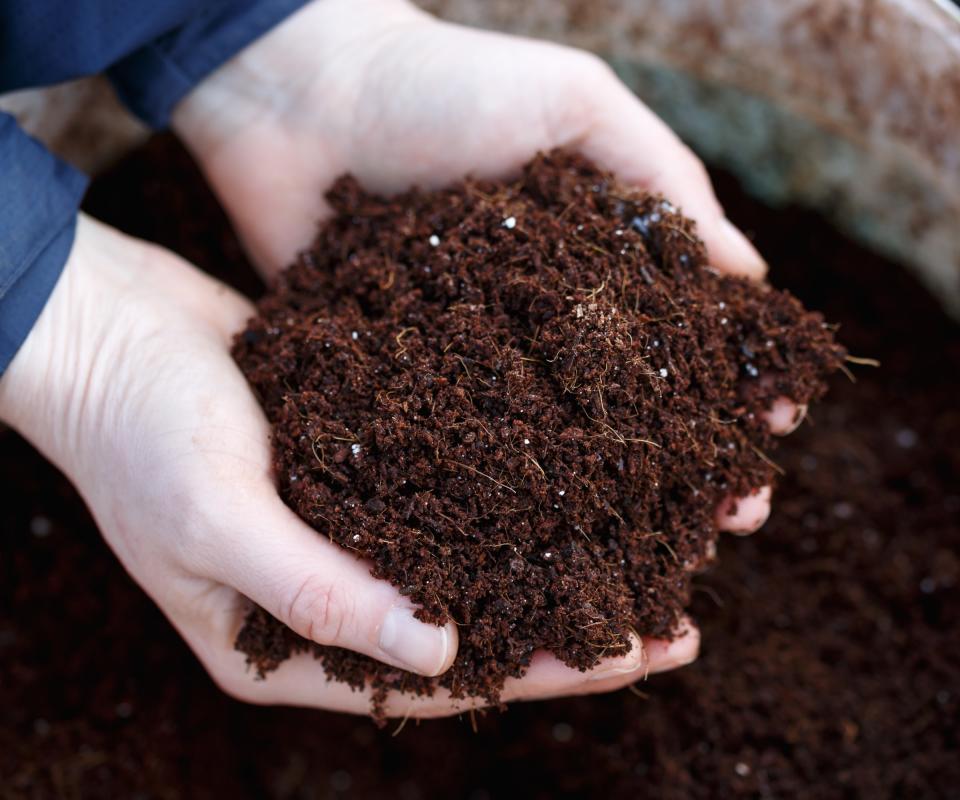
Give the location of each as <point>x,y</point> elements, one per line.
<point>829,666</point>
<point>523,403</point>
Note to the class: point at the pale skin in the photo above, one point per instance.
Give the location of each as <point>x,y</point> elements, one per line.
<point>126,382</point>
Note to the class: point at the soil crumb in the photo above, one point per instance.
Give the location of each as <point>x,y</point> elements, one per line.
<point>523,403</point>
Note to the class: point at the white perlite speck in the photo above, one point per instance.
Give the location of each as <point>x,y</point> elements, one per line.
<point>663,372</point>
<point>434,240</point>
<point>905,438</point>
<point>510,223</point>
<point>355,449</point>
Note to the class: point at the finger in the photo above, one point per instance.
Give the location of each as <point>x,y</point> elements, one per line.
<point>629,139</point>
<point>301,681</point>
<point>548,677</point>
<point>743,515</point>
<point>323,592</point>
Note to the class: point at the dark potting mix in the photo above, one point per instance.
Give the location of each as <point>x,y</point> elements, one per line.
<point>828,667</point>
<point>523,403</point>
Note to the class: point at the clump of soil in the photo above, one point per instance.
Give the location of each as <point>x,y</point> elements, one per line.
<point>522,402</point>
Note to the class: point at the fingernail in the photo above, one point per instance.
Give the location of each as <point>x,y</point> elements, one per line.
<point>414,645</point>
<point>748,261</point>
<point>667,655</point>
<point>785,416</point>
<point>751,514</point>
<point>631,662</point>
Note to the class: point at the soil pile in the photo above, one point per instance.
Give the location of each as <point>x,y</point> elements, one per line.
<point>522,403</point>
<point>829,665</point>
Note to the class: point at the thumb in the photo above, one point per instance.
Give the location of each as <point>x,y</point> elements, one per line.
<point>324,593</point>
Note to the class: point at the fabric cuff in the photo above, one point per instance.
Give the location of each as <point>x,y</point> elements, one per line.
<point>153,79</point>
<point>25,300</point>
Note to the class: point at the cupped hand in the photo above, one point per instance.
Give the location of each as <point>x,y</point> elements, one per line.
<point>126,383</point>
<point>385,91</point>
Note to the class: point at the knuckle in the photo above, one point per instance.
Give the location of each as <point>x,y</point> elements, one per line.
<point>580,92</point>
<point>316,611</point>
<point>697,175</point>
<point>696,165</point>
<point>593,80</point>
<point>591,68</point>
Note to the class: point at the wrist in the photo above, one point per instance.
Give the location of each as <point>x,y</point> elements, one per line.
<point>69,385</point>
<point>119,316</point>
<point>47,383</point>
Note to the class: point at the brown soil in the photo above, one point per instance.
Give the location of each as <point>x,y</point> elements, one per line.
<point>523,404</point>
<point>829,668</point>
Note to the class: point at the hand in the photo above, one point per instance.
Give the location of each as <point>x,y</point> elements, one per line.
<point>126,383</point>
<point>384,91</point>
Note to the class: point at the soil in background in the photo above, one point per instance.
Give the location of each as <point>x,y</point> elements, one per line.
<point>523,403</point>
<point>829,668</point>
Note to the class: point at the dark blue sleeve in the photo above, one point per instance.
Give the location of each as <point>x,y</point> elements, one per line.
<point>154,52</point>
<point>38,211</point>
<point>155,76</point>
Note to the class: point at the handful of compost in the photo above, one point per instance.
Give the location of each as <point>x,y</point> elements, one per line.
<point>523,404</point>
